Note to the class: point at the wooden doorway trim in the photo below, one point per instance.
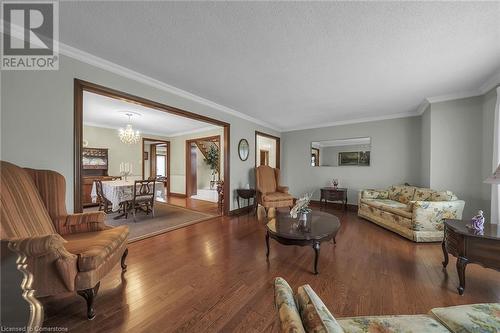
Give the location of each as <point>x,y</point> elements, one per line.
<point>168,159</point>
<point>188,159</point>
<point>278,145</point>
<point>80,86</point>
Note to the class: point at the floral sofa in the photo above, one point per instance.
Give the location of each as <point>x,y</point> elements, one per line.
<point>413,212</point>
<point>305,312</point>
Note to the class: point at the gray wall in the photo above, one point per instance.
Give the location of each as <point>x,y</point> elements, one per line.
<point>395,157</point>
<point>37,119</point>
<point>488,109</point>
<point>461,149</point>
<point>425,155</point>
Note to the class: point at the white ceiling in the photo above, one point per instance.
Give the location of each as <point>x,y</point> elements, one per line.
<point>108,112</point>
<point>297,64</point>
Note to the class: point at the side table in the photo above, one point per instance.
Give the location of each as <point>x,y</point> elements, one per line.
<point>246,193</point>
<point>471,247</point>
<point>334,194</point>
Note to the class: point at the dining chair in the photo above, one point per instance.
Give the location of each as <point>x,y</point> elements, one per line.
<point>104,204</point>
<point>143,197</point>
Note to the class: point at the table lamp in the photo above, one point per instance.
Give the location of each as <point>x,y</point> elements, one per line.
<point>494,178</point>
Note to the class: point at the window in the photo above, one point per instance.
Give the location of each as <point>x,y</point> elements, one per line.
<point>160,165</point>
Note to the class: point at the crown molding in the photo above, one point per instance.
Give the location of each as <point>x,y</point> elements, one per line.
<point>355,121</point>
<point>491,83</point>
<point>112,67</point>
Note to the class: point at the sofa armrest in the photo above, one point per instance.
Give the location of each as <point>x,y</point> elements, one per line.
<point>46,256</point>
<point>429,215</point>
<point>39,246</point>
<point>86,222</point>
<point>282,189</point>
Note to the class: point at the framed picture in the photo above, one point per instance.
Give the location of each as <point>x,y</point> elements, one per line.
<point>359,158</point>
<point>145,157</point>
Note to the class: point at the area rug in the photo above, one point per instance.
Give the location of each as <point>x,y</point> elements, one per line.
<point>167,217</point>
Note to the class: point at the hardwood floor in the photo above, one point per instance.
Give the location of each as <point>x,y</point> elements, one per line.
<point>194,204</point>
<point>213,277</point>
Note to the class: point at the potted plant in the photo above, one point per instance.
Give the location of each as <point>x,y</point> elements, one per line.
<point>212,160</point>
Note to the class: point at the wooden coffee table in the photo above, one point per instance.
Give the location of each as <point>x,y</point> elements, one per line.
<point>471,247</point>
<point>285,230</point>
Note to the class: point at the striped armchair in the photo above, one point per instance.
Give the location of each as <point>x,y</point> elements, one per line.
<point>64,252</point>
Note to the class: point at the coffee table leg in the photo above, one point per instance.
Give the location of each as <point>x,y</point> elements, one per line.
<point>461,264</point>
<point>316,256</point>
<point>267,244</point>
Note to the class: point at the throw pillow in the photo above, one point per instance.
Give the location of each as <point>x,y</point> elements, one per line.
<point>314,313</point>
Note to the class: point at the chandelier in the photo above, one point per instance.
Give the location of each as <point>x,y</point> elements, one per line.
<point>128,135</point>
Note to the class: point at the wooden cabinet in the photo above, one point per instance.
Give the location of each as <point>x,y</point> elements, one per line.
<point>87,183</point>
<point>333,194</point>
<point>94,167</point>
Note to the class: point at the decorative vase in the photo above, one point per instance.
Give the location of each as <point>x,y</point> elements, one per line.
<point>304,223</point>
<point>477,222</point>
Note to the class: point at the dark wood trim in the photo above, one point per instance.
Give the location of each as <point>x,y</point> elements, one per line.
<point>188,159</point>
<point>168,159</point>
<point>278,147</point>
<point>80,86</point>
<point>78,145</point>
<point>177,195</point>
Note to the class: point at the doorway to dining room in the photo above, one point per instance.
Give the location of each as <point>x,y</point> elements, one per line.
<point>128,148</point>
<point>267,150</point>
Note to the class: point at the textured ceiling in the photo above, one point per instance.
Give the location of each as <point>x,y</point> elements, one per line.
<point>297,64</point>
<point>108,112</point>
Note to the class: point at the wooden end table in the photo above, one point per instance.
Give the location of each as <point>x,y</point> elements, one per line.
<point>285,230</point>
<point>246,193</point>
<point>471,247</point>
<point>333,194</point>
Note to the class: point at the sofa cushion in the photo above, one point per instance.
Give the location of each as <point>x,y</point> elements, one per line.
<point>314,313</point>
<point>93,248</point>
<point>402,193</point>
<point>392,324</point>
<point>470,318</point>
<point>389,206</point>
<point>287,308</point>
<point>422,194</point>
<point>277,196</point>
<point>443,196</point>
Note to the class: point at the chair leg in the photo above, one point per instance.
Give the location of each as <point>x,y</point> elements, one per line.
<point>90,295</point>
<point>124,256</point>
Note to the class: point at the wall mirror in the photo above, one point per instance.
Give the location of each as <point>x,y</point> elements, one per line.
<point>341,152</point>
<point>243,149</point>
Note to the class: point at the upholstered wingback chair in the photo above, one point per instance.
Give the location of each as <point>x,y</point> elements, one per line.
<point>270,194</point>
<point>64,252</point>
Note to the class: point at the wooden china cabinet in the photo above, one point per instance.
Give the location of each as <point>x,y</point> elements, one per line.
<point>94,167</point>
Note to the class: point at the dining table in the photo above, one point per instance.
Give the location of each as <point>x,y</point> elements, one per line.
<point>117,191</point>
